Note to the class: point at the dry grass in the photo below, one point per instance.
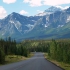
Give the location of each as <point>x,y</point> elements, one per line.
<point>16,58</point>
<point>13,58</point>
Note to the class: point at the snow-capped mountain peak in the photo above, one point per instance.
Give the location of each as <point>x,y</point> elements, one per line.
<point>50,10</point>
<point>53,9</point>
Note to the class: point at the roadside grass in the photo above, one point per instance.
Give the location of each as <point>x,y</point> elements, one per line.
<point>16,58</point>
<point>60,64</point>
<point>13,58</point>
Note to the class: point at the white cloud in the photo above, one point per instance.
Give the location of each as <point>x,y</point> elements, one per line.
<point>46,2</point>
<point>23,12</point>
<point>3,12</point>
<point>9,1</point>
<point>55,2</point>
<point>66,7</point>
<point>62,7</point>
<point>39,11</point>
<point>33,2</point>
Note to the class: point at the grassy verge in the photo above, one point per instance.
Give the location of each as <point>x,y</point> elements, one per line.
<point>16,58</point>
<point>60,64</point>
<point>13,58</point>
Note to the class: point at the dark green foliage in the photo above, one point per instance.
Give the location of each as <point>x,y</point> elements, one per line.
<point>57,49</point>
<point>53,48</point>
<point>36,45</point>
<point>23,51</point>
<point>7,47</point>
<point>2,56</point>
<point>59,53</point>
<point>60,50</point>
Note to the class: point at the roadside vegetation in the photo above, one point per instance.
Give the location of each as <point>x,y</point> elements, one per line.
<point>63,65</point>
<point>10,51</point>
<point>13,58</point>
<point>57,51</point>
<point>16,58</point>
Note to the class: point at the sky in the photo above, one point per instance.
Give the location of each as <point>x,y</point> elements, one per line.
<point>29,7</point>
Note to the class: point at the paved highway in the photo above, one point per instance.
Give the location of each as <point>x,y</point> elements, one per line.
<point>38,62</point>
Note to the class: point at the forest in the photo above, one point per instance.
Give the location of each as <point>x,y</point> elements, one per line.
<point>10,47</point>
<point>58,50</point>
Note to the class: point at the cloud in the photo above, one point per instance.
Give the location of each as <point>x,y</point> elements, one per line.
<point>33,3</point>
<point>39,11</point>
<point>9,1</point>
<point>23,12</point>
<point>66,7</point>
<point>55,2</point>
<point>3,12</point>
<point>62,7</point>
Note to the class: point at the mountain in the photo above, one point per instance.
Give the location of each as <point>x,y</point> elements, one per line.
<point>52,23</point>
<point>53,9</point>
<point>49,11</point>
<point>16,25</point>
<point>55,25</point>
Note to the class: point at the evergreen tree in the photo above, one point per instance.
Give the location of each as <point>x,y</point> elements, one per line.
<point>2,56</point>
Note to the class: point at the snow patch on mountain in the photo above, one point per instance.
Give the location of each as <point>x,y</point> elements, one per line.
<point>46,25</point>
<point>33,20</point>
<point>11,21</point>
<point>60,26</point>
<point>41,14</point>
<point>68,19</point>
<point>18,26</point>
<point>29,26</point>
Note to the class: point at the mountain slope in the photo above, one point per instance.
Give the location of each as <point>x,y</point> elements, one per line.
<point>16,25</point>
<point>49,11</point>
<point>54,24</point>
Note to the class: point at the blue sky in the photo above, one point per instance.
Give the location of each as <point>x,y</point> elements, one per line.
<point>29,7</point>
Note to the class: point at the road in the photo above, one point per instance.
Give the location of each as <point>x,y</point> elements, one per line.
<point>37,62</point>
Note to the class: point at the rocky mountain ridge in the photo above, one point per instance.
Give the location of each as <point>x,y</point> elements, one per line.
<point>55,23</point>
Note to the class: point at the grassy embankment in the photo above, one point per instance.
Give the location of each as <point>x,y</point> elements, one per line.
<point>60,64</point>
<point>16,58</point>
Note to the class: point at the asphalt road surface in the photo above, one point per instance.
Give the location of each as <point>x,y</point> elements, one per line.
<point>38,62</point>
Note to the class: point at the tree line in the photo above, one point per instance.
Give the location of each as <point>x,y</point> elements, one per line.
<point>60,50</point>
<point>57,49</point>
<point>10,47</point>
<point>36,45</point>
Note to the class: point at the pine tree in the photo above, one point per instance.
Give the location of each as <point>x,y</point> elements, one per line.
<point>53,48</point>
<point>2,56</point>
